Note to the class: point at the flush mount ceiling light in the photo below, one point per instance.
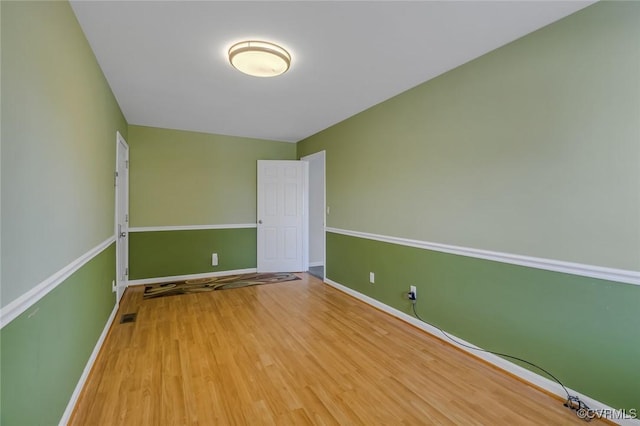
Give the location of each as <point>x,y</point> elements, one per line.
<point>259,58</point>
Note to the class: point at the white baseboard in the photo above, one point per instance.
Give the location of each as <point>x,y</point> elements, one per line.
<point>312,264</point>
<point>523,373</point>
<point>160,280</point>
<point>66,416</point>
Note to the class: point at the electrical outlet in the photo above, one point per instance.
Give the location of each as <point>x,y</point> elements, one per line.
<point>214,259</point>
<point>372,277</point>
<point>113,286</point>
<point>413,290</point>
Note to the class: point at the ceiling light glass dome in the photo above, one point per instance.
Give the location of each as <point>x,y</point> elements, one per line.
<point>259,58</point>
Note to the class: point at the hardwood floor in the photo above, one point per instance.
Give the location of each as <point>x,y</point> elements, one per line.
<point>298,352</point>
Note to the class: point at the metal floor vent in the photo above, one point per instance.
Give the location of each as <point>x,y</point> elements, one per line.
<point>128,318</point>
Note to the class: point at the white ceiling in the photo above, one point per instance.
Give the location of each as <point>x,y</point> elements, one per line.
<point>167,66</point>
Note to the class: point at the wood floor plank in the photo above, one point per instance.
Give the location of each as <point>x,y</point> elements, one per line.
<point>294,353</point>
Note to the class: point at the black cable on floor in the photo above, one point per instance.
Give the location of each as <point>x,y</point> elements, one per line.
<point>573,401</point>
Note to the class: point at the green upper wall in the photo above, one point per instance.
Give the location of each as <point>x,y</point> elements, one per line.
<point>531,149</point>
<point>59,123</point>
<point>182,178</point>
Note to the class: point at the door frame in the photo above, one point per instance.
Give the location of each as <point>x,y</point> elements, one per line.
<point>310,158</point>
<point>121,182</point>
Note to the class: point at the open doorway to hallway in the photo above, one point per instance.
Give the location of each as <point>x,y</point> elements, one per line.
<point>317,213</point>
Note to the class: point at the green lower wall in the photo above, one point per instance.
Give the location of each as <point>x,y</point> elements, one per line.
<point>45,349</point>
<point>169,253</point>
<point>583,330</point>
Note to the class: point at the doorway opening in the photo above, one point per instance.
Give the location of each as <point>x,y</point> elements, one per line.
<point>317,213</point>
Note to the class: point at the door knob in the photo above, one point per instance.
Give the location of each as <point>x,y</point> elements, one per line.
<point>123,234</point>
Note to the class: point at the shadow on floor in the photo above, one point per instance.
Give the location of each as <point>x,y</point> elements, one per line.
<point>317,271</point>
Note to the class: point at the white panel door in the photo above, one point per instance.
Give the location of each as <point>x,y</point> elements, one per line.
<point>281,215</point>
<point>122,216</point>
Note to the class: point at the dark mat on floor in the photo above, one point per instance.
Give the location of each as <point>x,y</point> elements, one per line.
<point>215,283</point>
